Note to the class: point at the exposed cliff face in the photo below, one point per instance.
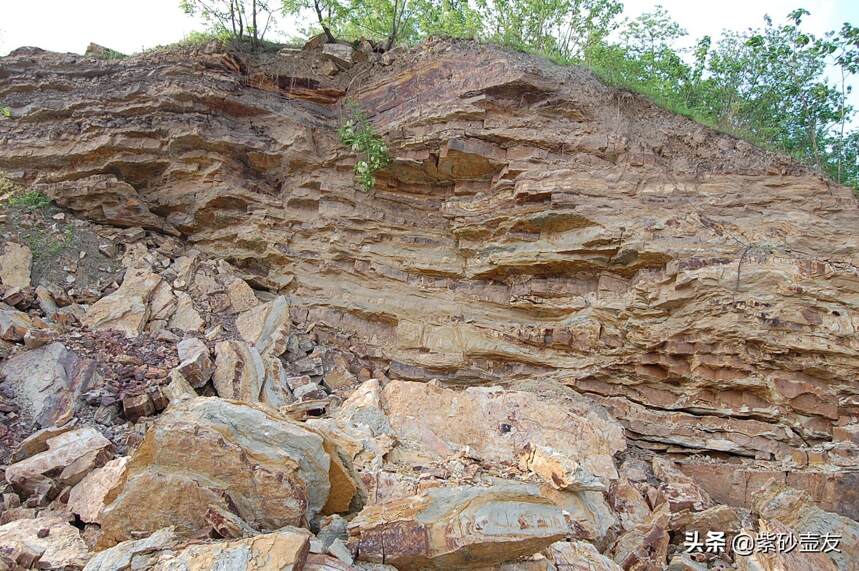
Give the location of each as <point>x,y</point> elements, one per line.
<point>533,224</point>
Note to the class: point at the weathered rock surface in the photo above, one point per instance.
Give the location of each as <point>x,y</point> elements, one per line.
<point>15,263</point>
<point>284,550</point>
<point>57,543</point>
<point>69,457</point>
<point>533,222</point>
<point>454,527</point>
<point>537,233</point>
<point>208,451</point>
<point>794,509</point>
<point>196,363</point>
<point>86,499</point>
<point>128,308</point>
<point>47,382</point>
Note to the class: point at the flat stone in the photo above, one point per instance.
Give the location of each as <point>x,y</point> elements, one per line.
<point>60,548</point>
<point>457,526</point>
<point>15,263</point>
<point>69,457</point>
<point>127,309</point>
<point>266,326</point>
<point>186,317</point>
<point>86,498</point>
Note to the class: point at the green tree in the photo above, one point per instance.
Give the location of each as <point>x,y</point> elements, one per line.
<point>561,28</point>
<point>240,19</point>
<point>445,18</point>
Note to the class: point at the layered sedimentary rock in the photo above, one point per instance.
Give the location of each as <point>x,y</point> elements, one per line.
<point>534,223</point>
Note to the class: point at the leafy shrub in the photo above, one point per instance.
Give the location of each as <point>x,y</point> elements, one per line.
<point>30,200</point>
<point>358,134</point>
<point>5,111</point>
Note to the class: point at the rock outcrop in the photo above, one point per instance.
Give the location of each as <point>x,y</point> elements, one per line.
<point>564,328</point>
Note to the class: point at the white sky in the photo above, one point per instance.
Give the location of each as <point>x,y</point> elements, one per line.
<point>130,25</point>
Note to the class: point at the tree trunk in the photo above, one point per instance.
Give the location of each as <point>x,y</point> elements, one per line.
<point>254,16</point>
<point>328,35</point>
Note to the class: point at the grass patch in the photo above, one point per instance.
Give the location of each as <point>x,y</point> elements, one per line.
<point>43,244</point>
<point>29,200</point>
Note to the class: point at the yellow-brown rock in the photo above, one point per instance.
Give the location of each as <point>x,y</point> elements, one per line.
<point>535,227</point>
<point>284,550</point>
<point>55,540</point>
<point>15,263</point>
<point>128,308</point>
<point>209,451</point>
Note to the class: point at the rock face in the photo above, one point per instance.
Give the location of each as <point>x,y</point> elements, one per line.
<point>208,451</point>
<point>563,329</point>
<point>533,222</point>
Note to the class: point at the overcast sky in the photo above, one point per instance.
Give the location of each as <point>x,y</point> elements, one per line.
<point>130,25</point>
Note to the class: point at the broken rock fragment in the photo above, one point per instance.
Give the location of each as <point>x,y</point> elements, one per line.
<point>266,326</point>
<point>69,457</point>
<point>195,363</point>
<point>55,543</point>
<point>497,425</point>
<point>15,265</point>
<point>128,308</point>
<point>284,550</point>
<point>86,499</point>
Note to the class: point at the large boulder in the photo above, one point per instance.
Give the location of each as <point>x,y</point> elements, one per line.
<point>269,470</point>
<point>458,527</point>
<point>128,308</point>
<point>504,426</point>
<point>47,382</point>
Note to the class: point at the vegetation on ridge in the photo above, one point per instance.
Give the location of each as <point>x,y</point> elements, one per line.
<point>776,85</point>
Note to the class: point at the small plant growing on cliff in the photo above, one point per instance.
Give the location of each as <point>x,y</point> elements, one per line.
<point>5,112</point>
<point>358,134</point>
<point>30,200</point>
